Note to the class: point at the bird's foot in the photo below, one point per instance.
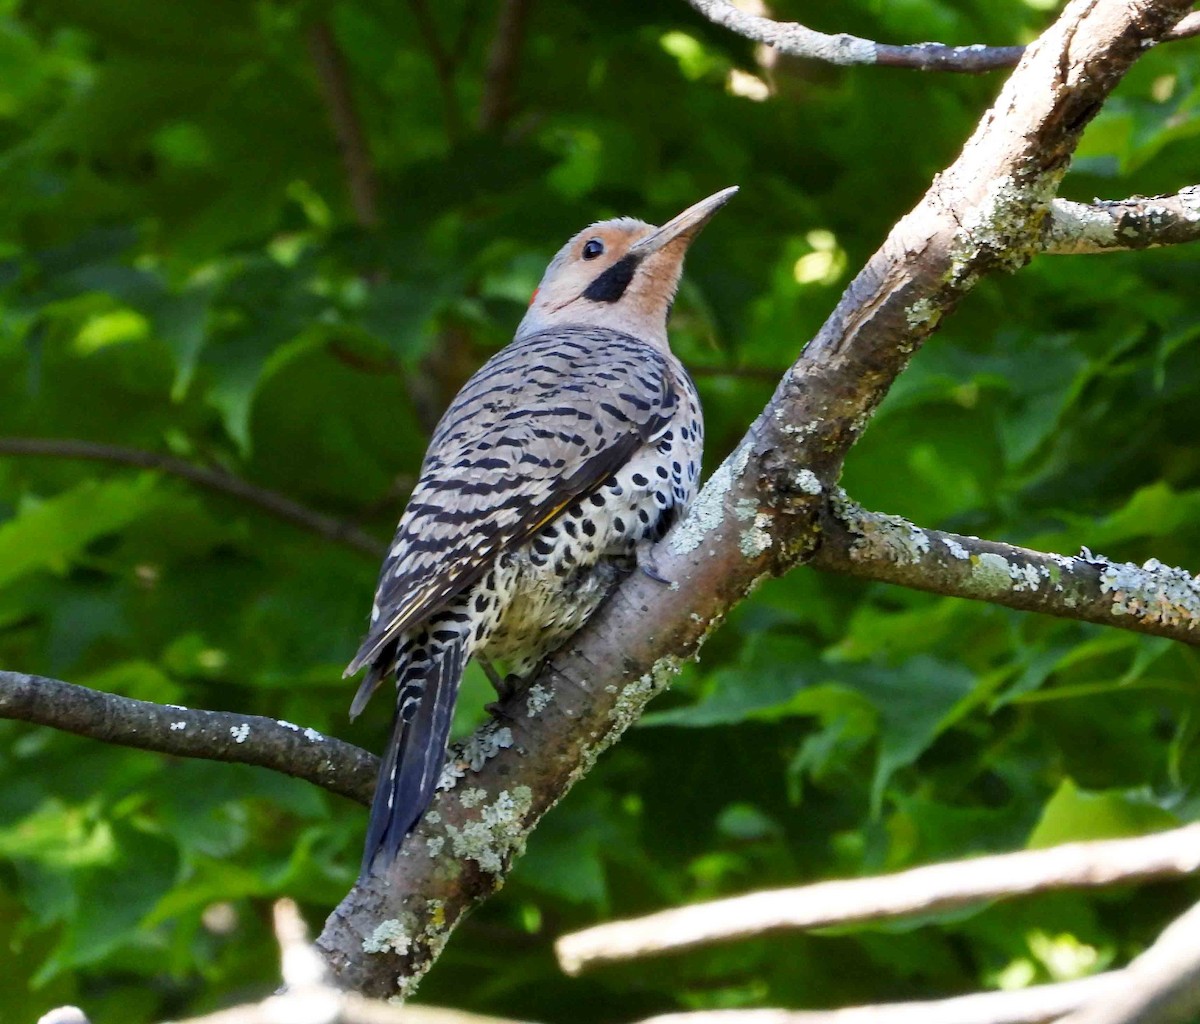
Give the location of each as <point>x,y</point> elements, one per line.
<point>496,709</point>
<point>506,688</point>
<point>646,563</point>
<point>503,685</point>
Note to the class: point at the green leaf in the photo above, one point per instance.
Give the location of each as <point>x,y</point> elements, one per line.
<point>916,702</point>
<point>1076,815</point>
<point>52,534</point>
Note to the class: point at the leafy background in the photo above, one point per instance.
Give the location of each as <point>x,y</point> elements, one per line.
<point>181,271</point>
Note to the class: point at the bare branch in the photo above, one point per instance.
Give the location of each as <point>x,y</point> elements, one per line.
<point>797,40</point>
<point>1184,29</point>
<point>923,890</point>
<point>334,76</point>
<point>327,762</point>
<point>1151,983</point>
<point>759,514</point>
<point>504,59</point>
<point>1153,598</point>
<point>1139,222</point>
<point>64,1015</point>
<point>214,479</point>
<point>1162,986</point>
<point>1038,1004</point>
<point>444,67</point>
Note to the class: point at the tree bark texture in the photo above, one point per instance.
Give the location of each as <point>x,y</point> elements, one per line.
<point>759,514</point>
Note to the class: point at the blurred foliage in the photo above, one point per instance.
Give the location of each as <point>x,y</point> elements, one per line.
<point>181,271</point>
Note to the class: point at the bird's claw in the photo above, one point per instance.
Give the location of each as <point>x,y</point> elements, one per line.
<point>651,570</point>
<point>495,708</point>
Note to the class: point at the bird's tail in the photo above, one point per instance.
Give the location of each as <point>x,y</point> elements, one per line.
<point>427,679</point>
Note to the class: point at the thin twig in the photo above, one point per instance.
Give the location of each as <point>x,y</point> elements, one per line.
<point>923,890</point>
<point>334,75</point>
<point>1139,222</point>
<point>1037,1004</point>
<point>1154,598</point>
<point>798,40</point>
<point>327,762</point>
<point>444,67</point>
<point>214,479</point>
<point>504,57</point>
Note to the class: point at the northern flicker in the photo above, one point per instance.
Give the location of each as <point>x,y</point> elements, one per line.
<point>558,464</point>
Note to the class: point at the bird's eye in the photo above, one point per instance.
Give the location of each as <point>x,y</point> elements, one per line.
<point>592,248</point>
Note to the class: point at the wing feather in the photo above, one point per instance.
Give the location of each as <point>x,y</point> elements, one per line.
<point>545,422</point>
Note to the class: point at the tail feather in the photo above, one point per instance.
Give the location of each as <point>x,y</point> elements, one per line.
<point>412,763</point>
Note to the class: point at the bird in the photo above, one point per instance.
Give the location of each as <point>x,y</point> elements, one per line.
<point>551,474</point>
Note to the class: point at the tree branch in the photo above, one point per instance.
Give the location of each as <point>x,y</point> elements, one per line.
<point>924,890</point>
<point>1154,598</point>
<point>214,479</point>
<point>758,514</point>
<point>444,67</point>
<point>1139,222</point>
<point>796,40</point>
<point>1038,1004</point>
<point>1153,979</point>
<point>500,77</point>
<point>327,762</point>
<point>334,76</point>
<point>1186,28</point>
<point>1162,986</point>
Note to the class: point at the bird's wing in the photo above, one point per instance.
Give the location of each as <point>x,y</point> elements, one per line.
<point>544,422</point>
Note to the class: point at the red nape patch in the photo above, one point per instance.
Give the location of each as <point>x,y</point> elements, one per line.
<point>533,297</point>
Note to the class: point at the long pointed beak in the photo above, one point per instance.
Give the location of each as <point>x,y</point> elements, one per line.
<point>686,225</point>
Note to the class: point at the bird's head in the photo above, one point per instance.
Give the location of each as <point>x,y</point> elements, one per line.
<point>621,274</point>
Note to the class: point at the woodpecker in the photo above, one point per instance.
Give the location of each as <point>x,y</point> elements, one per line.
<point>555,468</point>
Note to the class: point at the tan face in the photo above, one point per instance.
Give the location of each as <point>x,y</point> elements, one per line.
<point>588,263</point>
<point>619,274</point>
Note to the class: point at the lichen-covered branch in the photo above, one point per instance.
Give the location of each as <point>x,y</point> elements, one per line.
<point>798,40</point>
<point>1153,598</point>
<point>1140,222</point>
<point>759,514</point>
<point>924,890</point>
<point>189,732</point>
<point>218,480</point>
